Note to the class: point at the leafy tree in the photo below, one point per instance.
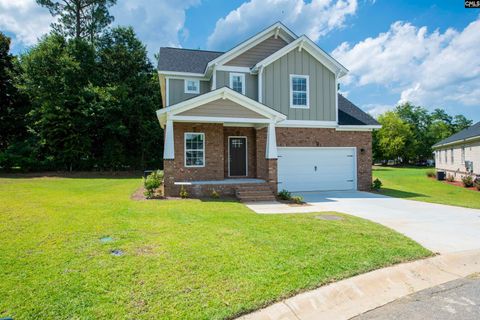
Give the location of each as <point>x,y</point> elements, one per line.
<point>393,137</point>
<point>460,122</point>
<point>81,19</point>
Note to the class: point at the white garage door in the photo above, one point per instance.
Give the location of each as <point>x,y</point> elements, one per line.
<point>316,169</point>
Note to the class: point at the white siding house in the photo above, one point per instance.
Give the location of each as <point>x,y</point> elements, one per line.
<point>459,154</point>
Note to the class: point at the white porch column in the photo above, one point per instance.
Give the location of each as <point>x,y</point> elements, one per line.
<point>169,151</point>
<point>271,142</point>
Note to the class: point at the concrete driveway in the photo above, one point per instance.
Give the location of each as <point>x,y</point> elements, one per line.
<point>440,228</point>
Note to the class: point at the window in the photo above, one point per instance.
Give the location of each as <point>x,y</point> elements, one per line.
<point>237,82</point>
<point>194,149</point>
<point>299,91</point>
<point>451,156</point>
<point>463,155</point>
<point>192,86</point>
<point>446,158</point>
<point>439,155</point>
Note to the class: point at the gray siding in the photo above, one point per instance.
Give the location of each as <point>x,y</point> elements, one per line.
<point>251,83</point>
<point>262,50</point>
<point>276,87</point>
<point>222,108</point>
<point>176,90</point>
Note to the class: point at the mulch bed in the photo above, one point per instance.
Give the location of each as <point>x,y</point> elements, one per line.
<point>455,183</point>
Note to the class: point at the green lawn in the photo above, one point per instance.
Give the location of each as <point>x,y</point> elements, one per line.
<point>413,183</point>
<point>185,259</point>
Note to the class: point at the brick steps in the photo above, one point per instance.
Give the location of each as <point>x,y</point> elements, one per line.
<point>255,192</point>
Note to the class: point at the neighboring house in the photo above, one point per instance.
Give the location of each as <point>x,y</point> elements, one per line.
<point>261,117</point>
<point>459,154</point>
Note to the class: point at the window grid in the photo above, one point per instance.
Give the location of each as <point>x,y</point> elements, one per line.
<point>194,149</point>
<point>237,82</point>
<point>299,91</point>
<point>192,86</point>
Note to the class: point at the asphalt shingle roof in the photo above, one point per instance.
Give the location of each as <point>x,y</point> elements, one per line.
<point>185,60</point>
<point>470,132</point>
<point>351,115</point>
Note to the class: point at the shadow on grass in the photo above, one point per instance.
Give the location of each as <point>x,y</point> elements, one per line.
<point>400,194</point>
<point>75,175</point>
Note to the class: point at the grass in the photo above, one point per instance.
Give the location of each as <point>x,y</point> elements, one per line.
<point>413,183</point>
<point>187,259</point>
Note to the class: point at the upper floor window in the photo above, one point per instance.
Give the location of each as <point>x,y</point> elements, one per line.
<point>299,91</point>
<point>237,82</point>
<point>194,149</point>
<point>192,86</point>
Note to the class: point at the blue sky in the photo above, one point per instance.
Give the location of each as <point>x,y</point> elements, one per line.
<point>423,51</point>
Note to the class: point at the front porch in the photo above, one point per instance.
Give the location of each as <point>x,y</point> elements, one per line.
<point>218,136</point>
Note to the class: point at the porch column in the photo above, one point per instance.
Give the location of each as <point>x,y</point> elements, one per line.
<point>169,151</point>
<point>271,142</point>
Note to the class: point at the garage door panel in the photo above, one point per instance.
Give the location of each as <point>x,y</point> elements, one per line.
<point>316,169</point>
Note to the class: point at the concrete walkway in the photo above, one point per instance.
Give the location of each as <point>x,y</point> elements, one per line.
<point>351,297</point>
<point>440,228</point>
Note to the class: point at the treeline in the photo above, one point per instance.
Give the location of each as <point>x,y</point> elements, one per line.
<point>408,133</point>
<point>83,98</point>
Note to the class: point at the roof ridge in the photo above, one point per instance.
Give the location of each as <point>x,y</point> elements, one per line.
<point>188,49</point>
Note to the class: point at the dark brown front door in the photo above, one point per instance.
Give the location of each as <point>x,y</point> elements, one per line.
<point>237,156</point>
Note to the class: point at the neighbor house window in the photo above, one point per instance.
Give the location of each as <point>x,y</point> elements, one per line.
<point>439,156</point>
<point>463,155</point>
<point>451,156</point>
<point>237,82</point>
<point>299,91</point>
<point>194,149</point>
<point>192,86</point>
<point>446,157</point>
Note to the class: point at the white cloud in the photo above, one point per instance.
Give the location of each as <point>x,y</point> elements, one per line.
<point>377,109</point>
<point>432,69</point>
<point>25,19</point>
<point>157,22</point>
<point>315,19</point>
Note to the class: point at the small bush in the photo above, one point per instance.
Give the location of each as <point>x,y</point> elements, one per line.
<point>450,178</point>
<point>152,182</point>
<point>297,199</point>
<point>431,174</point>
<point>215,194</point>
<point>183,192</point>
<point>284,195</point>
<point>477,185</point>
<point>377,184</point>
<point>467,181</point>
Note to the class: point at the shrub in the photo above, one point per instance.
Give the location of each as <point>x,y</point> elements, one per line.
<point>215,194</point>
<point>450,178</point>
<point>477,185</point>
<point>377,184</point>
<point>297,199</point>
<point>467,181</point>
<point>152,182</point>
<point>183,193</point>
<point>284,195</point>
<point>431,174</point>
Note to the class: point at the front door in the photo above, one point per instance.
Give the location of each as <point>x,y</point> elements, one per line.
<point>237,156</point>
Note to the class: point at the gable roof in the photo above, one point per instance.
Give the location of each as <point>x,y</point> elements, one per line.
<point>304,43</point>
<point>469,133</point>
<point>185,60</point>
<point>351,115</point>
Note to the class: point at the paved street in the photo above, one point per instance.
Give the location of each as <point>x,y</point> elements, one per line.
<point>458,299</point>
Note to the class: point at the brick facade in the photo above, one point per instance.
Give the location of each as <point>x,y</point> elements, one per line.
<point>325,137</point>
<point>216,154</point>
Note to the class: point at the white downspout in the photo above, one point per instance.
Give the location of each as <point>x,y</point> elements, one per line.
<point>169,151</point>
<point>271,142</point>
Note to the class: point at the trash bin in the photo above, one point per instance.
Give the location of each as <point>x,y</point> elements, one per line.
<point>440,175</point>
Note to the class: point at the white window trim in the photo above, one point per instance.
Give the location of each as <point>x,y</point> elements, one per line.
<point>242,76</point>
<point>308,91</point>
<point>185,150</point>
<point>185,82</point>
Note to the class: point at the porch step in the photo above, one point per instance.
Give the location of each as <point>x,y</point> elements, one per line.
<point>255,192</point>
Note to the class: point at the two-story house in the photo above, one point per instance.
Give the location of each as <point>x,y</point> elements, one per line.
<point>261,117</point>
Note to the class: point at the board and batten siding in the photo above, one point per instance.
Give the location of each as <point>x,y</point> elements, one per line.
<point>259,52</point>
<point>176,90</point>
<point>251,83</point>
<point>222,108</point>
<point>276,87</point>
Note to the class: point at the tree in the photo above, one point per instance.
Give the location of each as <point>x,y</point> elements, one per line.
<point>460,122</point>
<point>81,19</point>
<point>393,137</point>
